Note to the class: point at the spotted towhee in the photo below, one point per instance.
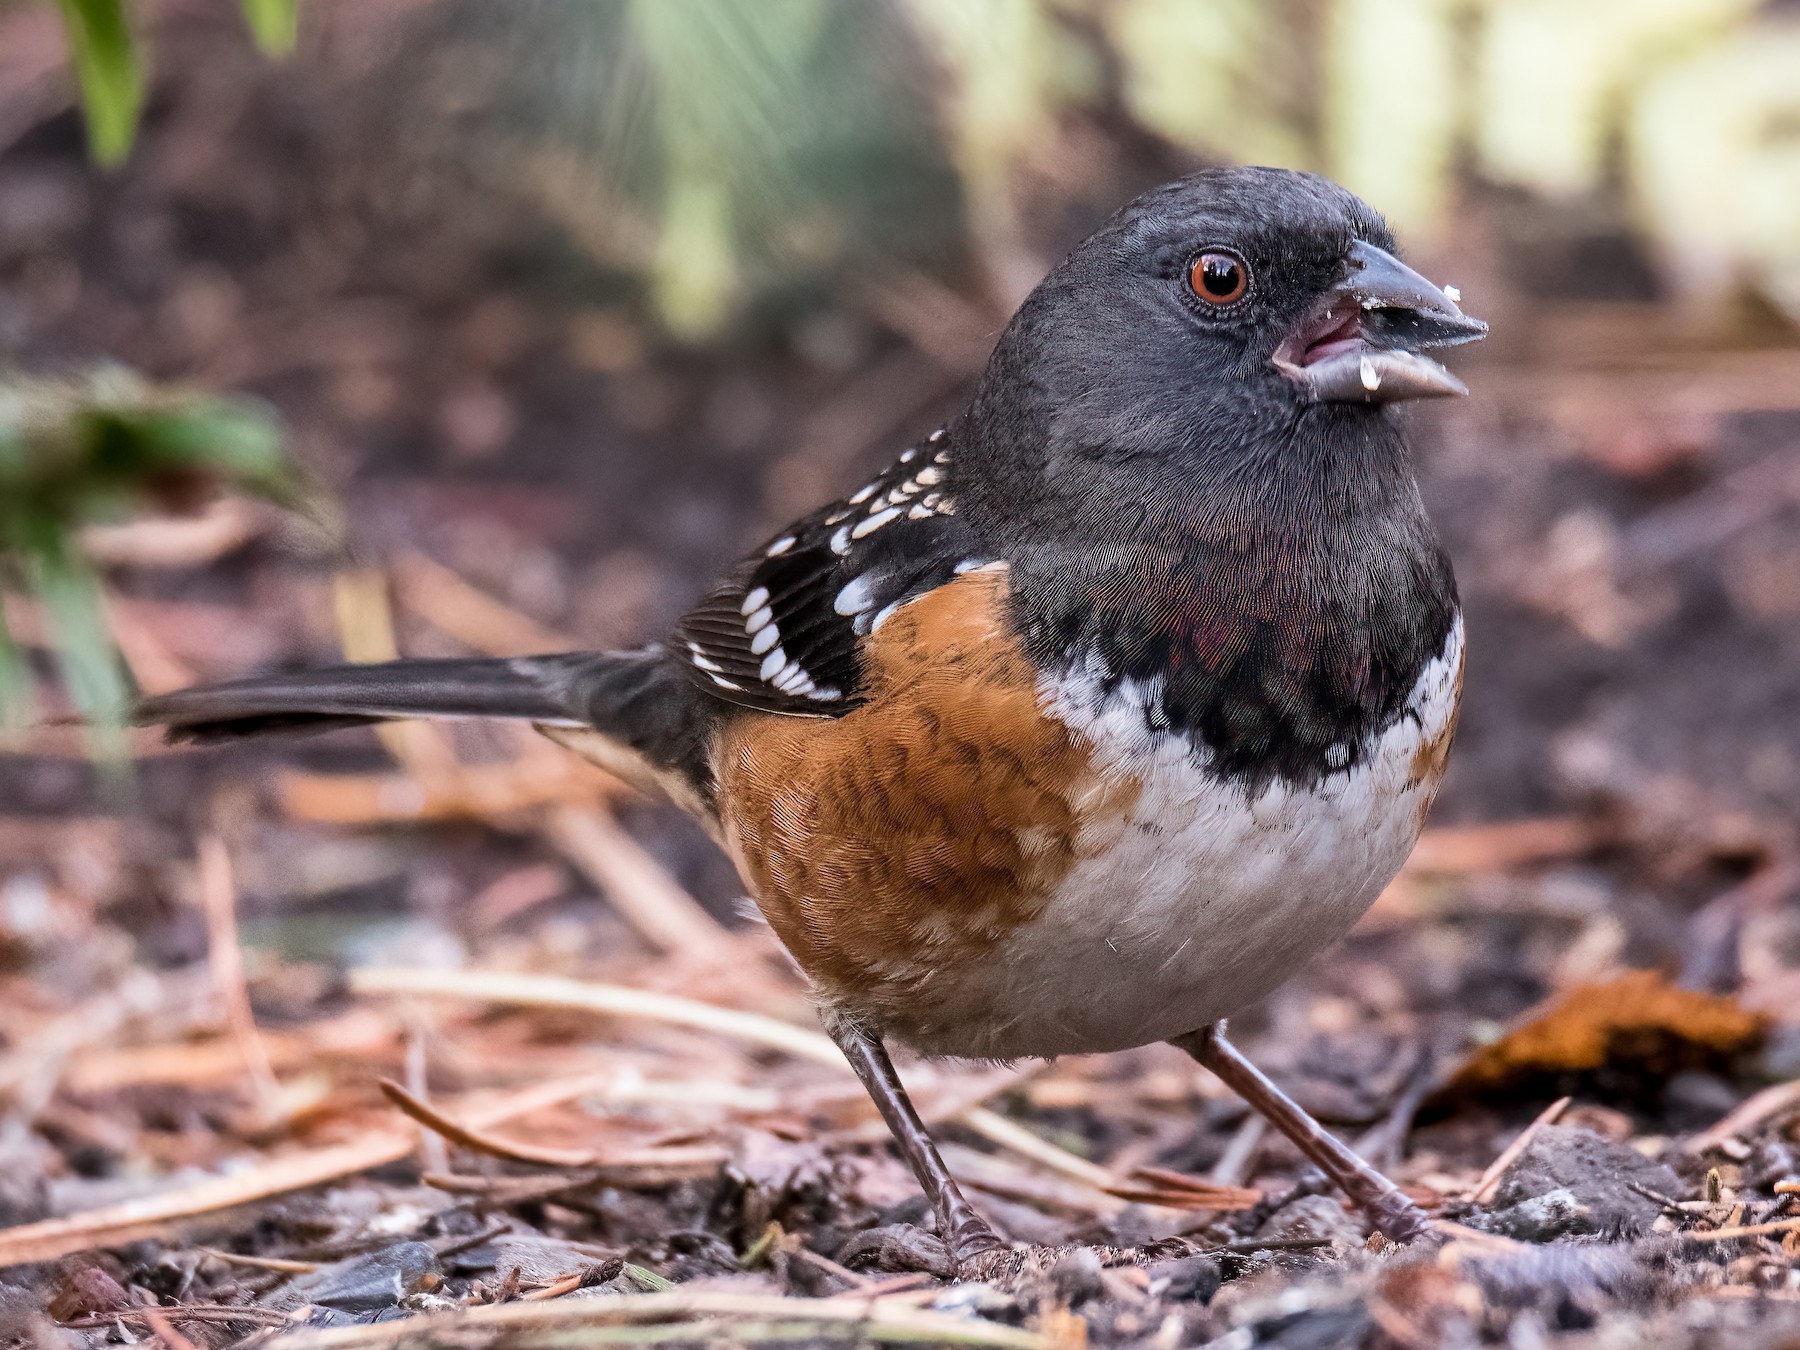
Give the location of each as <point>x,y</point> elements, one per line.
<point>1093,715</point>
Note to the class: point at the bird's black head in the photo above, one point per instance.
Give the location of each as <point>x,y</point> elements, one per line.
<point>1231,297</point>
<point>1183,447</point>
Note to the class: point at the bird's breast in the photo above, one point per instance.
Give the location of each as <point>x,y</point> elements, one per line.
<point>987,860</point>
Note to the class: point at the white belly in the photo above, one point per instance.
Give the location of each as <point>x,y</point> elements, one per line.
<point>1208,898</point>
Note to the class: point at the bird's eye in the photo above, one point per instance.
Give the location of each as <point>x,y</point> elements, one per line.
<point>1219,277</point>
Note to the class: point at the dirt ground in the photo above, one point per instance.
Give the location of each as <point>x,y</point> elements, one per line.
<point>199,1148</point>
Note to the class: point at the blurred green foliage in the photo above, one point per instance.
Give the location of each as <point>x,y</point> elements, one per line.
<point>79,453</point>
<point>1674,118</point>
<point>110,69</point>
<point>106,63</point>
<point>1677,115</point>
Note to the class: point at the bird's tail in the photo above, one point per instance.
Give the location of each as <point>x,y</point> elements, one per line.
<point>633,713</point>
<point>554,689</point>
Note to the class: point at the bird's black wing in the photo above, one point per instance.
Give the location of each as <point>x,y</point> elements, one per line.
<point>784,632</point>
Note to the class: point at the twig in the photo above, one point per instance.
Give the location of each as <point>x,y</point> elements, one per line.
<point>481,791</point>
<point>508,1192</point>
<point>1749,1230</point>
<point>861,1283</point>
<point>365,623</point>
<point>1490,1179</point>
<point>656,906</point>
<point>217,1313</point>
<point>1240,1151</point>
<point>721,1315</point>
<point>218,894</point>
<point>568,1284</point>
<point>470,615</point>
<point>277,1263</point>
<point>432,1155</point>
<point>133,1220</point>
<point>694,1159</point>
<point>551,991</point>
<point>175,541</point>
<point>30,1074</point>
<point>997,1129</point>
<point>1176,1190</point>
<point>1666,1204</point>
<point>1384,1144</point>
<point>156,669</point>
<point>1747,1115</point>
<point>555,991</point>
<point>1000,1175</point>
<point>171,1338</point>
<point>1463,849</point>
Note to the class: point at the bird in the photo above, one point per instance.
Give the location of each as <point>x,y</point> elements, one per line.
<point>1099,710</point>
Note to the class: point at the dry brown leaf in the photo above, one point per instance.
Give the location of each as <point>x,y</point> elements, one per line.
<point>1637,1020</point>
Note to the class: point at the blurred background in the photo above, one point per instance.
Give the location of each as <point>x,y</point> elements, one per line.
<point>540,313</point>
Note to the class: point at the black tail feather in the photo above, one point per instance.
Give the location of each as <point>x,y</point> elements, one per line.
<point>538,689</point>
<point>640,702</point>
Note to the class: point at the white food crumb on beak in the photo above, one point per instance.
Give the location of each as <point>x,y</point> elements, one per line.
<point>1455,294</point>
<point>1371,377</point>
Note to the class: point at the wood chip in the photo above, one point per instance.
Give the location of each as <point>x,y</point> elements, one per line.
<point>1490,1179</point>
<point>716,1315</point>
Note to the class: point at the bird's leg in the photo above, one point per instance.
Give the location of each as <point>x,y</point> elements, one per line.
<point>1397,1218</point>
<point>964,1232</point>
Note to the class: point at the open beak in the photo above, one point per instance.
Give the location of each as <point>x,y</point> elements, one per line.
<point>1363,345</point>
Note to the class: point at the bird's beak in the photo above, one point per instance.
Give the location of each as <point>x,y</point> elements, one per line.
<point>1363,344</point>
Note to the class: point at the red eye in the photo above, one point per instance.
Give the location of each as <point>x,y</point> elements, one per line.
<point>1218,277</point>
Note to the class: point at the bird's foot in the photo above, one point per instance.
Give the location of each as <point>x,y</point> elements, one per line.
<point>899,1249</point>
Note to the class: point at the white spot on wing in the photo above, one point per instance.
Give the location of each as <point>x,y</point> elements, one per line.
<point>773,662</point>
<point>854,598</point>
<point>755,600</point>
<point>874,522</point>
<point>780,546</point>
<point>764,640</point>
<point>840,542</point>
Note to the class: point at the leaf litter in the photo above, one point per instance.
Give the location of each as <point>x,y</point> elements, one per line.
<point>499,1064</point>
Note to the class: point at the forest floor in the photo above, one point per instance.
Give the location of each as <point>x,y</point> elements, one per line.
<point>311,1039</point>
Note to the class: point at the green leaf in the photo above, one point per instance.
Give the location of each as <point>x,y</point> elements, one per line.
<point>70,594</point>
<point>15,678</point>
<point>77,452</point>
<point>106,64</point>
<point>274,24</point>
